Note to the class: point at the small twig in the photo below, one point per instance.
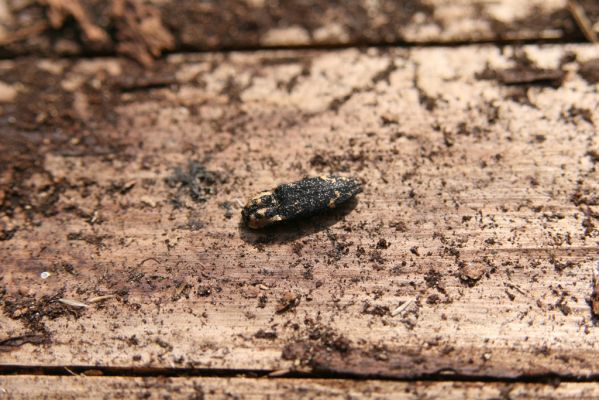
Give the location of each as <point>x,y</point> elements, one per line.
<point>148,259</point>
<point>582,20</point>
<point>516,288</point>
<point>69,371</point>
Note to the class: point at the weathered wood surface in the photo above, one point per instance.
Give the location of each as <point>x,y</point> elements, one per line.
<point>144,28</point>
<point>52,387</point>
<point>480,209</point>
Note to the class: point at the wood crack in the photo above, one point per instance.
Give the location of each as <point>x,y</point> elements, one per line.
<point>439,376</point>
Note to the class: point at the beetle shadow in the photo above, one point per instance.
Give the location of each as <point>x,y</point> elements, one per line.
<point>295,229</point>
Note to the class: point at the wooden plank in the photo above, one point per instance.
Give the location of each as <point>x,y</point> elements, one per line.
<point>144,28</point>
<point>479,209</point>
<point>53,387</point>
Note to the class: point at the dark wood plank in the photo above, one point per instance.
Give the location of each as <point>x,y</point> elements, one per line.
<point>144,28</point>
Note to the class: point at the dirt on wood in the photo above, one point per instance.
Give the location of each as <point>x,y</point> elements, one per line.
<point>590,71</point>
<point>479,211</point>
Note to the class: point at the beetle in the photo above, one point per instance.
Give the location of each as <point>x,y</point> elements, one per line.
<point>303,198</point>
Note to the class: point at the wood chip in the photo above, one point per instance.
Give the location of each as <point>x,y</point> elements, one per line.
<point>72,303</point>
<point>94,217</point>
<point>147,200</point>
<point>279,372</point>
<point>100,298</point>
<point>524,75</point>
<point>399,310</point>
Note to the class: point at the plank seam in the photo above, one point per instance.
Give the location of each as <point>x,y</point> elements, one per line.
<point>81,370</point>
<point>323,47</point>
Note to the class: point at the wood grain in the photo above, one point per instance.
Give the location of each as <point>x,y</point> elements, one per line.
<point>479,208</point>
<point>49,387</point>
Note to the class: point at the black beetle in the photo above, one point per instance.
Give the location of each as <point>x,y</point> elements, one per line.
<point>299,199</point>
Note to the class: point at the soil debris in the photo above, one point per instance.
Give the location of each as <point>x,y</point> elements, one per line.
<point>129,27</point>
<point>198,182</point>
<point>590,71</point>
<point>262,334</point>
<point>17,341</point>
<point>140,33</point>
<point>32,312</point>
<point>529,76</point>
<point>59,11</point>
<point>287,301</point>
<point>377,310</point>
<point>318,342</point>
<point>433,280</point>
<point>7,234</point>
<point>471,272</point>
<point>595,295</point>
